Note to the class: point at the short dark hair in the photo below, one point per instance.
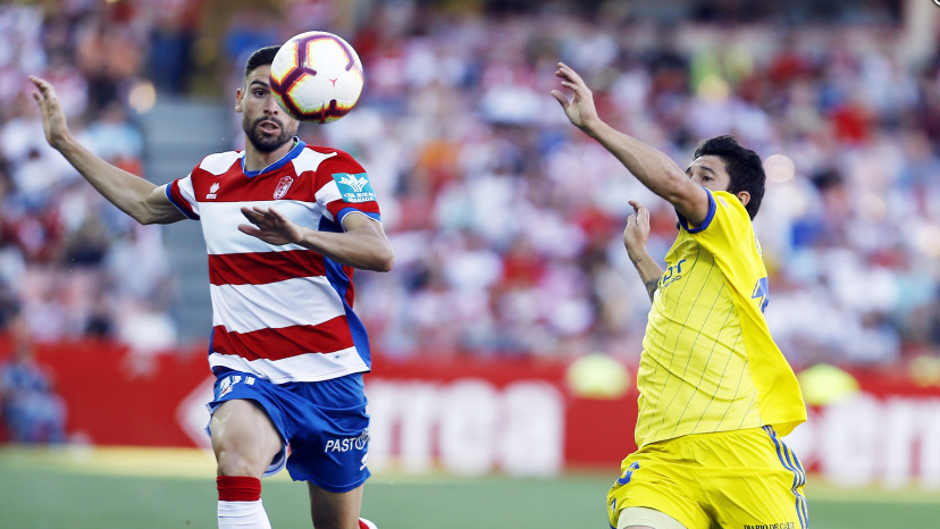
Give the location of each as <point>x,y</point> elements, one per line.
<point>260,57</point>
<point>744,167</point>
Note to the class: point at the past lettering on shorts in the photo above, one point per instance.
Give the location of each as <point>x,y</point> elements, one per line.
<point>345,444</point>
<point>228,384</point>
<point>781,525</point>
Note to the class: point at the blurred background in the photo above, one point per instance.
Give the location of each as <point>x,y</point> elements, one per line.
<point>506,338</point>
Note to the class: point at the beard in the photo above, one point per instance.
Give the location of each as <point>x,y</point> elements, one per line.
<point>265,142</point>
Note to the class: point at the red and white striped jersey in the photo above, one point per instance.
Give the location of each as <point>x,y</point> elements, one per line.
<point>285,312</point>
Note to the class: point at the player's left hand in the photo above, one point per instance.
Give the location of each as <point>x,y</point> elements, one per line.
<point>637,232</point>
<point>580,110</point>
<point>270,226</point>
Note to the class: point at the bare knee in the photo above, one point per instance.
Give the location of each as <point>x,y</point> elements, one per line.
<point>230,461</point>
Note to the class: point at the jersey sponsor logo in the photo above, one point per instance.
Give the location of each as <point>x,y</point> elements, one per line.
<point>345,444</point>
<point>671,275</point>
<point>780,525</point>
<point>282,187</point>
<point>628,475</point>
<point>213,190</point>
<point>354,188</point>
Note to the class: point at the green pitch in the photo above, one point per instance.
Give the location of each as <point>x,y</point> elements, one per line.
<point>166,489</point>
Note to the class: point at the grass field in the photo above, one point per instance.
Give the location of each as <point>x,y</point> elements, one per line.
<point>166,489</point>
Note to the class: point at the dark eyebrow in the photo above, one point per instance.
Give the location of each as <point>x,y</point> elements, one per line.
<point>258,81</point>
<point>702,167</point>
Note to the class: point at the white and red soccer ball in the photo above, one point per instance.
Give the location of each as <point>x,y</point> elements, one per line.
<point>316,76</point>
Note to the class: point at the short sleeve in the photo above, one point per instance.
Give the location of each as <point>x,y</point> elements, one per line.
<point>726,226</point>
<point>343,187</point>
<point>182,195</point>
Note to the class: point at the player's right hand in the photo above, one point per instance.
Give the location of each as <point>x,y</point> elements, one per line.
<point>637,232</point>
<point>53,118</point>
<point>580,109</point>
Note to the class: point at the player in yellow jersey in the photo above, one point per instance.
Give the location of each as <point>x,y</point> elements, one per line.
<point>715,391</point>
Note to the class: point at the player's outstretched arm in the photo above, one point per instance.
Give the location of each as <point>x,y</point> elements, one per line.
<point>363,245</point>
<point>635,236</point>
<point>137,197</point>
<point>650,166</point>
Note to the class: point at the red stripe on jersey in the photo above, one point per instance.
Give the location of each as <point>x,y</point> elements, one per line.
<point>234,186</point>
<point>338,205</point>
<point>276,344</point>
<point>263,268</point>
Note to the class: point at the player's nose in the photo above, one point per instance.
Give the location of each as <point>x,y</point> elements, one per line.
<point>273,107</point>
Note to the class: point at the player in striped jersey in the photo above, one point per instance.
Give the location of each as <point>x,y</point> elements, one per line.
<point>715,391</point>
<point>285,224</point>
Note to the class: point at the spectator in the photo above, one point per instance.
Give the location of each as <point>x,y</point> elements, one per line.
<point>30,409</point>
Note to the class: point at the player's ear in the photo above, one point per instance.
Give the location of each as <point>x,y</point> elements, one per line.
<point>239,95</point>
<point>744,197</point>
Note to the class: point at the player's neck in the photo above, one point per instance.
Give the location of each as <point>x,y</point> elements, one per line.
<point>256,160</point>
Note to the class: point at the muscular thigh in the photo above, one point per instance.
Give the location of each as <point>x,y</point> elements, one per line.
<point>243,438</point>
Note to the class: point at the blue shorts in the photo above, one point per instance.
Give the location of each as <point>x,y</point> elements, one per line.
<point>324,425</point>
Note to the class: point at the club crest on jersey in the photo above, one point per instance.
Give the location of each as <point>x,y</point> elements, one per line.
<point>282,187</point>
<point>354,187</point>
<point>212,191</point>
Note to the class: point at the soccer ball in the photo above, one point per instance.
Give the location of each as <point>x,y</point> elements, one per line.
<point>316,76</point>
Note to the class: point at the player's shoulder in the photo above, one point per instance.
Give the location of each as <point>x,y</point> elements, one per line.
<point>220,163</point>
<point>728,202</point>
<point>313,156</point>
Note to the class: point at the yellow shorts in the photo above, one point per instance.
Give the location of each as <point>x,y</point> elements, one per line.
<point>742,479</point>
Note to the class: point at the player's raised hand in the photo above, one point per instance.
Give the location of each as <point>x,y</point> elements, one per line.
<point>53,118</point>
<point>637,231</point>
<point>580,109</point>
<point>270,226</point>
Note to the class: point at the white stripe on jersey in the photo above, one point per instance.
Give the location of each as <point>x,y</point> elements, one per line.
<point>220,222</point>
<point>310,160</point>
<point>247,308</point>
<point>220,162</point>
<point>328,193</point>
<point>311,367</point>
<point>186,189</point>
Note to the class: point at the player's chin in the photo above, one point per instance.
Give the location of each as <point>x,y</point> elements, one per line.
<point>269,142</point>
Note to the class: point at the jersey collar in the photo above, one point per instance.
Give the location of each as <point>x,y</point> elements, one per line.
<point>293,153</point>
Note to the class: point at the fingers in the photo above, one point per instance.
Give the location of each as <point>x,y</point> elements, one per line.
<point>570,79</point>
<point>255,215</point>
<point>566,72</point>
<point>45,89</point>
<point>640,216</point>
<point>561,98</point>
<point>276,215</point>
<point>248,229</point>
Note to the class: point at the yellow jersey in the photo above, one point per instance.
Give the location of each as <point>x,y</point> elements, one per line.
<point>709,363</point>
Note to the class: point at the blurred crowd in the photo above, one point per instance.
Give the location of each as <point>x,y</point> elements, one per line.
<point>506,220</point>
